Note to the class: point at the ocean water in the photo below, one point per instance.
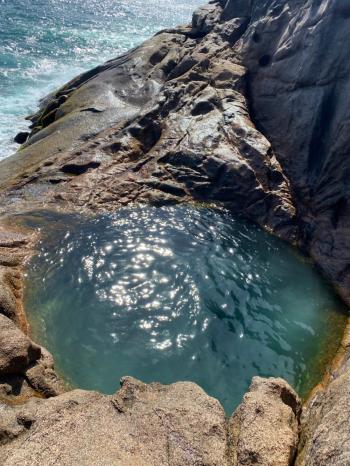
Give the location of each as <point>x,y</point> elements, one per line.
<point>178,293</point>
<point>44,43</point>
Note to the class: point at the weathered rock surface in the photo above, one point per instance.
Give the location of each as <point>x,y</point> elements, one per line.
<point>140,425</point>
<point>17,351</point>
<point>14,249</point>
<point>189,135</point>
<point>247,107</point>
<point>299,83</point>
<point>144,425</point>
<point>42,378</point>
<point>26,370</point>
<point>325,439</point>
<point>265,427</point>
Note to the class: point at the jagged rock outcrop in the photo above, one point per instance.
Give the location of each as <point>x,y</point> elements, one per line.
<point>299,81</point>
<point>325,421</point>
<point>26,369</point>
<point>265,427</point>
<point>188,135</point>
<point>144,425</point>
<point>16,349</point>
<point>246,107</point>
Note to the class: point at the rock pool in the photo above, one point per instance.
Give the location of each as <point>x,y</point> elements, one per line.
<point>178,293</point>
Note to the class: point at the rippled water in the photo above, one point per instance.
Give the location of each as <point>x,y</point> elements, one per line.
<point>44,43</point>
<point>178,293</point>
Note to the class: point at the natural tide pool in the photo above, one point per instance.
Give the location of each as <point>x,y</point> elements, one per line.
<point>178,293</point>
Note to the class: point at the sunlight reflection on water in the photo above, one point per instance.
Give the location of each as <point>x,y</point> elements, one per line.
<point>179,293</point>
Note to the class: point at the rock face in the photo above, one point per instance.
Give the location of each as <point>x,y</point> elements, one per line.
<point>325,439</point>
<point>299,81</point>
<point>17,352</point>
<point>26,369</point>
<point>141,425</point>
<point>265,428</point>
<point>247,107</point>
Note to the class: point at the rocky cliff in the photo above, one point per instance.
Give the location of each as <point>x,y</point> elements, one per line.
<point>246,107</point>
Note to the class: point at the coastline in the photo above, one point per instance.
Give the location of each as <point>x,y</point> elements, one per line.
<point>189,134</point>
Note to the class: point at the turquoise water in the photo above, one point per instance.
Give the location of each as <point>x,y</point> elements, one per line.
<point>178,293</point>
<point>44,43</point>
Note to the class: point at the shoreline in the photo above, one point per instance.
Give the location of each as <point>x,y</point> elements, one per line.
<point>41,215</point>
<point>15,226</point>
<point>188,115</point>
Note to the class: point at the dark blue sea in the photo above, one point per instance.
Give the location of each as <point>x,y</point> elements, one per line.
<point>44,43</point>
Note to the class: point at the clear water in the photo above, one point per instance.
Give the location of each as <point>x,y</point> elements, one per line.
<point>44,43</point>
<point>178,293</point>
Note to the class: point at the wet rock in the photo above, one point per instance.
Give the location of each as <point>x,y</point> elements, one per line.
<point>12,239</point>
<point>17,351</point>
<point>21,137</point>
<point>265,426</point>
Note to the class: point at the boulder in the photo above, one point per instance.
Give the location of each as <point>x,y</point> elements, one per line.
<point>8,305</point>
<point>44,380</point>
<point>17,351</point>
<point>21,137</point>
<point>265,426</point>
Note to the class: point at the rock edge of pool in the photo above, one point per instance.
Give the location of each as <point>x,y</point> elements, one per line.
<point>191,120</point>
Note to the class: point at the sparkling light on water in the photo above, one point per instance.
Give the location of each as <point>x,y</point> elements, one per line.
<point>179,293</point>
<point>45,43</point>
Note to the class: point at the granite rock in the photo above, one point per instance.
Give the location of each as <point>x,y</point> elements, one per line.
<point>265,427</point>
<point>325,433</point>
<point>149,424</point>
<point>17,351</point>
<point>141,425</point>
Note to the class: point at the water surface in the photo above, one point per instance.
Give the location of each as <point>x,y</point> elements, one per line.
<point>178,293</point>
<point>44,43</point>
